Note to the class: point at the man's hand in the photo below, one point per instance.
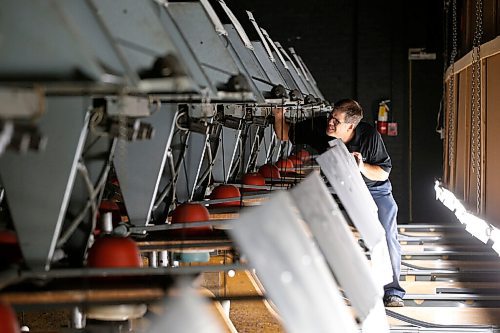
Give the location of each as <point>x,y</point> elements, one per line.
<point>370,171</point>
<point>359,160</point>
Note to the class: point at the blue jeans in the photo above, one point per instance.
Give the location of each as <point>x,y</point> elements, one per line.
<point>387,214</point>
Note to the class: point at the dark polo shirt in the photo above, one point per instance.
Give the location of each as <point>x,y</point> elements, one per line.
<point>366,141</point>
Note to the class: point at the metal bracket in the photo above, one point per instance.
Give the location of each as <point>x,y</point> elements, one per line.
<point>201,111</point>
<point>18,103</point>
<point>127,106</point>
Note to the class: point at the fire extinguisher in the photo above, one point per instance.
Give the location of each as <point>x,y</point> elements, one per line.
<point>383,116</point>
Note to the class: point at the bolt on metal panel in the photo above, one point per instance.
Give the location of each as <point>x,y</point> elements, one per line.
<point>141,165</point>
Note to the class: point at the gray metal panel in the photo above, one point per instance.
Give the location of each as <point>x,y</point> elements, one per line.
<point>228,150</point>
<point>311,86</point>
<point>254,141</point>
<point>300,68</point>
<point>37,41</point>
<point>285,73</point>
<point>140,43</point>
<point>38,186</point>
<point>291,268</point>
<point>265,146</point>
<point>295,71</point>
<point>243,68</point>
<point>204,175</point>
<point>277,150</point>
<point>248,140</point>
<point>311,78</point>
<point>189,58</point>
<point>340,248</point>
<point>204,41</point>
<point>298,79</point>
<point>249,59</point>
<point>339,167</point>
<point>140,166</point>
<point>286,148</point>
<point>192,160</point>
<point>83,18</point>
<point>270,67</point>
<point>105,40</point>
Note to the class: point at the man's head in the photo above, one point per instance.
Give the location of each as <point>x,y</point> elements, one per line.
<point>345,116</point>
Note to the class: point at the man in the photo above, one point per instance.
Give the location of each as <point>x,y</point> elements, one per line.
<point>374,163</point>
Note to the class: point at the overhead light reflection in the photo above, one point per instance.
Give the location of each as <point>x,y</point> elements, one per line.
<point>476,226</point>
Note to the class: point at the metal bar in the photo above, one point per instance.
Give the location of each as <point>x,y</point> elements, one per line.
<point>176,226</point>
<point>143,271</point>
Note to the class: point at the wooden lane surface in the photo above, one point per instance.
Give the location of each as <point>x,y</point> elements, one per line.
<point>248,315</point>
<point>254,315</point>
<point>226,214</point>
<point>455,247</point>
<point>449,315</point>
<point>449,264</point>
<point>430,287</point>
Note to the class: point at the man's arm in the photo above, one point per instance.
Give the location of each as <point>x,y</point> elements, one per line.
<point>281,127</point>
<point>370,171</point>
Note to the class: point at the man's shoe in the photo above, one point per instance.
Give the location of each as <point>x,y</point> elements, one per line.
<point>393,301</point>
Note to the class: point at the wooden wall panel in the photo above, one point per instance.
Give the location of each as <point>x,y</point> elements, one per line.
<point>462,154</point>
<point>492,149</point>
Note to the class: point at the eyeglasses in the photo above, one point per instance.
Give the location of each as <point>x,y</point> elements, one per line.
<point>336,122</point>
